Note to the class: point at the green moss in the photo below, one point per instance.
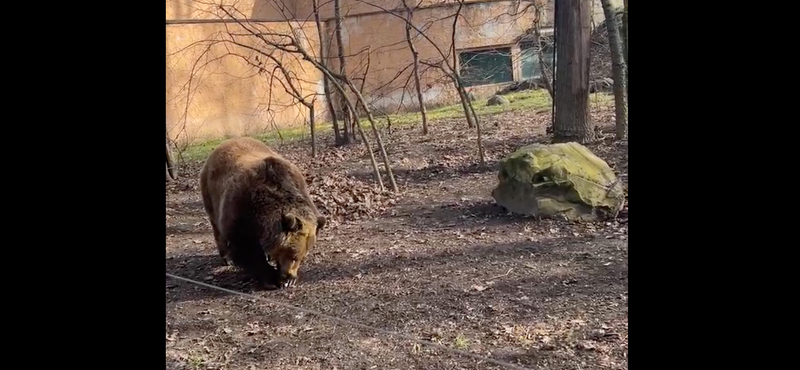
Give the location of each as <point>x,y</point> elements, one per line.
<point>202,150</point>
<point>563,178</point>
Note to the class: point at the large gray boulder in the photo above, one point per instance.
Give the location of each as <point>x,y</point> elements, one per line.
<point>563,179</point>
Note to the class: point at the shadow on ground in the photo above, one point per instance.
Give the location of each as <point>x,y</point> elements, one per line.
<point>186,208</point>
<point>208,269</point>
<point>435,153</point>
<point>463,214</point>
<point>440,281</point>
<point>433,173</point>
<point>185,231</point>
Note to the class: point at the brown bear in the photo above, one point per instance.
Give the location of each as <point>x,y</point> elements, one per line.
<point>259,209</point>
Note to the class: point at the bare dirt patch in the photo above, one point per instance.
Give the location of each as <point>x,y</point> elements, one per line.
<point>440,262</point>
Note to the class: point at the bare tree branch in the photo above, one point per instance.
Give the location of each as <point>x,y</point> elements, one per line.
<point>415,56</point>
<point>296,48</point>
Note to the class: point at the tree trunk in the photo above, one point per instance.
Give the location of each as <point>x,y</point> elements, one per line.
<point>481,156</point>
<point>462,94</point>
<point>456,71</point>
<point>466,102</point>
<point>469,111</point>
<point>546,77</point>
<point>323,52</point>
<point>312,122</point>
<point>415,55</point>
<point>342,69</point>
<point>341,90</point>
<point>386,163</point>
<point>337,134</point>
<point>624,30</point>
<point>361,90</point>
<point>618,71</point>
<point>573,29</point>
<point>172,174</point>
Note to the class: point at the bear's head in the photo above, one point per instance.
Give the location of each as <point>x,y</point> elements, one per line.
<point>299,233</point>
<point>286,214</point>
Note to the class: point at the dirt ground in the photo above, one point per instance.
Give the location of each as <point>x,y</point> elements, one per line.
<point>439,262</point>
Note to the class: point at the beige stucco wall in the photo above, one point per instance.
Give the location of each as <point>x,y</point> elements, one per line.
<point>261,10</point>
<point>215,91</point>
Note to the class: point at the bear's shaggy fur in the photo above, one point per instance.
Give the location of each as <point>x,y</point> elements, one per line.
<point>259,208</point>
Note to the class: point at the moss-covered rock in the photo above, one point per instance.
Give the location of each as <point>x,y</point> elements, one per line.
<point>559,179</point>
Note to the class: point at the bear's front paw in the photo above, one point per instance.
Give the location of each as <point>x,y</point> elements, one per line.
<point>287,283</point>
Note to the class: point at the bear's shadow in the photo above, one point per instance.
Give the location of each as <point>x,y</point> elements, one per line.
<point>208,269</point>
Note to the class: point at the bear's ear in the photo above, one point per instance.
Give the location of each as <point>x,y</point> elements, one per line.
<point>290,223</point>
<point>274,169</point>
<point>321,222</point>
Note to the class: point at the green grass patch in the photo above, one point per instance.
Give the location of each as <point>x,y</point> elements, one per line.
<point>202,150</point>
<point>531,100</point>
<point>461,342</point>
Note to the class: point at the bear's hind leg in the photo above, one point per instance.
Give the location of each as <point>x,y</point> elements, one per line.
<point>222,247</point>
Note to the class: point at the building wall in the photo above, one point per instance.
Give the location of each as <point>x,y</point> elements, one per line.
<point>259,10</point>
<point>228,98</point>
<point>481,25</point>
<point>389,85</point>
<point>215,91</point>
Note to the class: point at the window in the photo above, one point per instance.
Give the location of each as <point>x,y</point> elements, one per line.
<point>529,59</point>
<point>483,67</point>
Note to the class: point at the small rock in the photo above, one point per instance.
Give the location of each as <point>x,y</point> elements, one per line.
<point>597,333</point>
<point>497,100</point>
